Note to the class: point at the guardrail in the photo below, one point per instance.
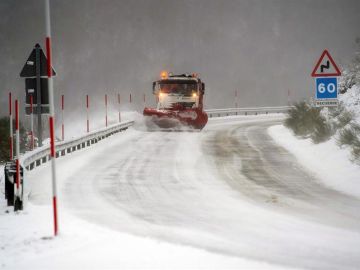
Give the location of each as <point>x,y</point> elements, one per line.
<point>246,111</point>
<point>41,155</point>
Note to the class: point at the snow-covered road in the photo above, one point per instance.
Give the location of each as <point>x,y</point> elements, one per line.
<point>228,189</point>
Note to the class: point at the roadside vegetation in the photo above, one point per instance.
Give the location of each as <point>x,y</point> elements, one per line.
<point>307,121</point>
<point>322,124</point>
<point>5,143</point>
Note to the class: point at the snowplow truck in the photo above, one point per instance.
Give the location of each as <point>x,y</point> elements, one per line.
<point>179,102</point>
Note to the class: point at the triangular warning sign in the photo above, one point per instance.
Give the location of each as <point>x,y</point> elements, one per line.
<point>325,67</point>
<point>29,69</point>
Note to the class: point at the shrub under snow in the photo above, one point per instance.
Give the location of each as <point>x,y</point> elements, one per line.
<point>320,124</point>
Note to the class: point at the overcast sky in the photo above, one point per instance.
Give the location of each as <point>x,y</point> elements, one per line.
<point>261,48</point>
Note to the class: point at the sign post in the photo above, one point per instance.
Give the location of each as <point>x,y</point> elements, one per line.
<point>38,92</point>
<point>35,72</point>
<point>326,81</point>
<point>32,145</point>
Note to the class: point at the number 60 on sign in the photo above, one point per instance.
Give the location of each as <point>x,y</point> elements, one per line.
<point>326,88</point>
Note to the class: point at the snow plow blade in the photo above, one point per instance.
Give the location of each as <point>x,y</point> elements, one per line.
<point>194,118</point>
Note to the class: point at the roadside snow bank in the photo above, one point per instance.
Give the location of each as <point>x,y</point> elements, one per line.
<point>351,101</point>
<point>327,161</point>
<point>81,245</point>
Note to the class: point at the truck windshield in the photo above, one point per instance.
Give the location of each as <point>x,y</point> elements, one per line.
<point>186,88</point>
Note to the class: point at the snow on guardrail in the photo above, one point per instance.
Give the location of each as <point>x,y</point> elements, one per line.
<point>41,155</point>
<point>245,111</point>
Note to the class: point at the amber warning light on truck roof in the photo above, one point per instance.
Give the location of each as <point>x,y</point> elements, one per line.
<point>164,75</point>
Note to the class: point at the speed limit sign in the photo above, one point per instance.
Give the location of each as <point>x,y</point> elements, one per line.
<point>326,88</point>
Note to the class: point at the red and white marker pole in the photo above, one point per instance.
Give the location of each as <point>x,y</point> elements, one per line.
<point>130,97</point>
<point>87,114</point>
<point>52,116</point>
<point>288,101</point>
<point>17,149</point>
<point>62,119</point>
<point>11,153</point>
<point>236,99</point>
<point>119,108</point>
<point>106,111</point>
<point>32,123</point>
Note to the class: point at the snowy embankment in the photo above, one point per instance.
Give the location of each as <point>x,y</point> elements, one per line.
<point>330,163</point>
<point>326,161</point>
<point>81,245</point>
